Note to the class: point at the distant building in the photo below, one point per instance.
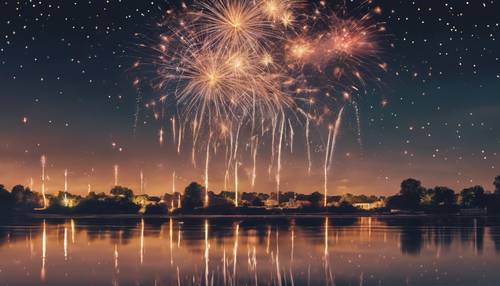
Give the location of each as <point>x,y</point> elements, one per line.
<point>295,204</point>
<point>370,206</point>
<point>271,203</point>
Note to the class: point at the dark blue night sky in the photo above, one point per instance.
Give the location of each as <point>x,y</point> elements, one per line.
<point>67,92</point>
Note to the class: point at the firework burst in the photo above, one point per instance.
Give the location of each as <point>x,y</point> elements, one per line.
<point>230,68</point>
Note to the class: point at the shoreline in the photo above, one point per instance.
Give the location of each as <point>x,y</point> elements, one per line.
<point>236,216</point>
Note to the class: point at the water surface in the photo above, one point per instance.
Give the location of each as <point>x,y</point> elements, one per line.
<point>256,251</point>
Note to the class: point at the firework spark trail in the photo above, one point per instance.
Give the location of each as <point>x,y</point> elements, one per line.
<point>358,123</point>
<point>308,147</point>
<point>229,156</point>
<point>65,180</point>
<point>334,136</point>
<point>325,167</point>
<point>329,151</point>
<point>179,143</point>
<point>173,130</point>
<point>173,188</point>
<point>43,161</point>
<point>138,101</point>
<point>161,138</point>
<point>292,133</point>
<point>207,161</point>
<point>236,183</point>
<point>255,144</point>
<point>278,168</point>
<point>273,136</point>
<point>236,162</point>
<point>142,182</point>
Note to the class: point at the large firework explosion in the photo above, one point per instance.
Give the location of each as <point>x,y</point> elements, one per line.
<point>232,74</point>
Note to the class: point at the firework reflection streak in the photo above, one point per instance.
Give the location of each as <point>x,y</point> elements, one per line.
<point>44,250</point>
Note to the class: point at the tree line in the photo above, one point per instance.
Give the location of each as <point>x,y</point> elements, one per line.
<point>412,197</point>
<point>415,197</point>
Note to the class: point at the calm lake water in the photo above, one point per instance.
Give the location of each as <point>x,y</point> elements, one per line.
<point>256,251</point>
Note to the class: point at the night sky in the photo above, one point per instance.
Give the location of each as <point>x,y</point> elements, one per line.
<point>66,92</point>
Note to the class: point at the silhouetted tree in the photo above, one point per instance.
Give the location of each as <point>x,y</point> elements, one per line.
<point>102,204</point>
<point>122,192</point>
<point>257,202</point>
<point>496,183</point>
<point>442,198</point>
<point>220,201</point>
<point>156,209</point>
<point>472,197</point>
<point>25,199</point>
<point>316,199</point>
<point>409,196</point>
<point>411,188</point>
<point>6,201</point>
<point>193,196</point>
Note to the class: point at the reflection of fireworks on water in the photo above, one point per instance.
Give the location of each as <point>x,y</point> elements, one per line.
<point>241,72</point>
